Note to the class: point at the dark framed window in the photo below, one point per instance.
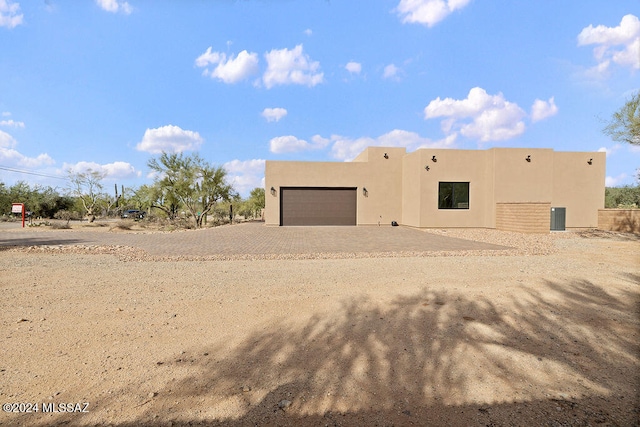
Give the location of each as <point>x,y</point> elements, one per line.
<point>453,195</point>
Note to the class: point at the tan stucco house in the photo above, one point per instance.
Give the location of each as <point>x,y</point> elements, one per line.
<point>518,189</point>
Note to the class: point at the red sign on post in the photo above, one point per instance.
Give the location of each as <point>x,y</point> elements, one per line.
<point>18,208</point>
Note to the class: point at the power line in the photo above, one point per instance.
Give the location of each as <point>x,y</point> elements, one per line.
<point>31,173</point>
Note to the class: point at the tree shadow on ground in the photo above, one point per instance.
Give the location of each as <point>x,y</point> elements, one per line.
<point>622,236</point>
<point>562,353</point>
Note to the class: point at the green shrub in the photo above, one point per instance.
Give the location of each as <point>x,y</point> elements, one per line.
<point>622,197</point>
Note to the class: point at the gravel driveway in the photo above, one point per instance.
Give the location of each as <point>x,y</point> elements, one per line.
<point>255,239</point>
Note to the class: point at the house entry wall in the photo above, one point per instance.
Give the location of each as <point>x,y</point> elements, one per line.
<point>318,206</point>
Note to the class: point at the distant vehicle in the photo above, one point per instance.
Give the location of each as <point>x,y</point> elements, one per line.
<point>132,213</point>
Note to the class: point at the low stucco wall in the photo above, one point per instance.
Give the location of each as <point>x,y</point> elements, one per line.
<point>524,217</point>
<point>624,220</point>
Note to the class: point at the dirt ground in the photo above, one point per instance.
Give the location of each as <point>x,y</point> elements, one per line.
<point>523,340</point>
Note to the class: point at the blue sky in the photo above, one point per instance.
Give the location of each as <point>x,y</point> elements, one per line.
<point>109,84</point>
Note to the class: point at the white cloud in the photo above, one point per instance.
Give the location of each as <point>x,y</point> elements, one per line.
<point>620,45</point>
<point>228,70</point>
<point>9,156</point>
<point>541,110</point>
<point>291,144</point>
<point>170,139</point>
<point>354,67</point>
<point>308,32</point>
<point>115,170</point>
<point>121,170</point>
<point>428,12</point>
<point>612,181</point>
<point>254,166</point>
<point>597,72</point>
<point>115,6</point>
<point>390,71</point>
<point>209,57</point>
<point>6,140</point>
<point>32,162</point>
<point>286,66</point>
<point>11,123</point>
<point>609,150</point>
<point>273,114</point>
<point>6,114</point>
<point>319,142</point>
<point>492,117</point>
<point>288,144</point>
<point>245,175</point>
<point>10,15</point>
<point>347,149</point>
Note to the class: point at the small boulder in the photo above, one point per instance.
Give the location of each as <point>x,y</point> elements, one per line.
<point>284,404</point>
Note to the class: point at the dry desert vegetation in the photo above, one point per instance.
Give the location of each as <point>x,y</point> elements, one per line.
<point>548,337</point>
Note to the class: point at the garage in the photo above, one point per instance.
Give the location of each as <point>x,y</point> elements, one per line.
<point>318,206</point>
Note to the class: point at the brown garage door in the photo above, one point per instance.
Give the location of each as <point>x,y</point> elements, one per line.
<point>317,206</point>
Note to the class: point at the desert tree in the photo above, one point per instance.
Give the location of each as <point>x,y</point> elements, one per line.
<point>156,196</point>
<point>622,197</point>
<point>624,125</point>
<point>41,201</point>
<point>256,201</point>
<point>196,184</point>
<point>87,187</point>
<point>5,199</point>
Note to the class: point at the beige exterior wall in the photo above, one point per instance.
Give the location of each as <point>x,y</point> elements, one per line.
<point>574,184</point>
<point>382,177</point>
<point>517,180</point>
<point>400,188</point>
<point>412,171</point>
<point>454,166</point>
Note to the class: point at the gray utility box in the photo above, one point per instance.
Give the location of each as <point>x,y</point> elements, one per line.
<point>558,219</point>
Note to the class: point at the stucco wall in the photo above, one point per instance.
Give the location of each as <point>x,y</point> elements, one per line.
<point>411,189</point>
<point>400,188</point>
<point>383,181</point>
<point>382,177</point>
<point>625,220</point>
<point>517,180</point>
<point>579,186</point>
<point>455,166</point>
<point>523,217</point>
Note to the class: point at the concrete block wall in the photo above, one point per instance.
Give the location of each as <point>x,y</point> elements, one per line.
<point>624,220</point>
<point>524,217</point>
